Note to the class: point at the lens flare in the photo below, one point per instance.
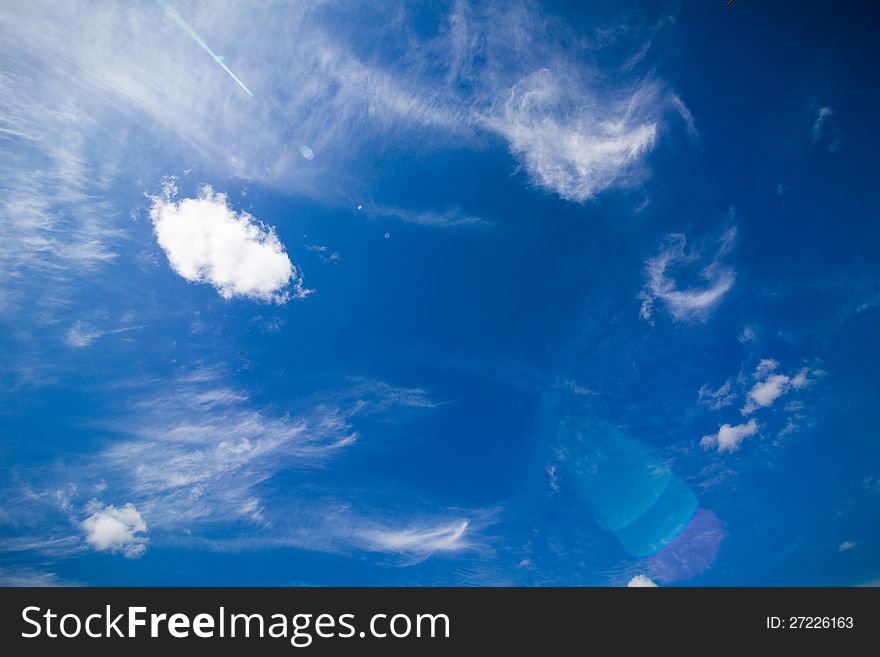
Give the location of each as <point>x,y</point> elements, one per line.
<point>690,553</point>
<point>177,18</point>
<point>628,490</point>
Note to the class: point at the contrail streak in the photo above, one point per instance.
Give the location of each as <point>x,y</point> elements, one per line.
<point>177,18</point>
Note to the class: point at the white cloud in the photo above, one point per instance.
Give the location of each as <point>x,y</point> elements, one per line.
<point>112,529</point>
<point>199,450</point>
<point>82,334</point>
<point>688,118</point>
<point>83,122</point>
<point>28,577</point>
<point>574,142</point>
<point>688,303</point>
<point>716,399</point>
<point>196,453</point>
<point>383,396</point>
<point>770,385</point>
<point>822,117</point>
<point>801,379</point>
<point>421,540</point>
<point>729,437</point>
<point>54,546</point>
<point>765,366</point>
<point>765,392</point>
<point>846,545</point>
<point>747,335</point>
<point>197,458</point>
<point>450,218</point>
<point>641,581</point>
<point>206,241</point>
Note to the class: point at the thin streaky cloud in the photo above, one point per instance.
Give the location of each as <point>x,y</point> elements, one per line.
<point>822,117</point>
<point>692,302</point>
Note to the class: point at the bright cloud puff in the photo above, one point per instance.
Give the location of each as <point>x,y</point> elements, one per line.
<point>206,241</point>
<point>689,303</point>
<point>729,437</point>
<point>641,581</point>
<point>770,385</point>
<point>111,529</point>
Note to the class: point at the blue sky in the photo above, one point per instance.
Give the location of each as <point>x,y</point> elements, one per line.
<point>439,294</point>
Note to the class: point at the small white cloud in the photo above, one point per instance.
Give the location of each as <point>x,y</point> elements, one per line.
<point>765,392</point>
<point>324,253</point>
<point>716,399</point>
<point>641,581</point>
<point>553,475</point>
<point>683,111</point>
<point>747,335</point>
<point>729,437</point>
<point>307,152</point>
<point>689,303</point>
<point>206,241</point>
<point>111,529</point>
<point>846,545</point>
<point>421,541</point>
<point>801,379</point>
<point>764,367</point>
<point>577,388</point>
<point>81,335</point>
<point>770,385</point>
<point>822,117</point>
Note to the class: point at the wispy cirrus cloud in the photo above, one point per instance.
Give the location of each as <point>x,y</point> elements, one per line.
<point>83,332</point>
<point>52,189</point>
<point>687,303</point>
<point>822,125</point>
<point>31,577</point>
<point>136,78</point>
<point>197,450</point>
<point>573,143</point>
<point>452,217</point>
<point>718,398</point>
<point>193,456</point>
<point>421,540</point>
